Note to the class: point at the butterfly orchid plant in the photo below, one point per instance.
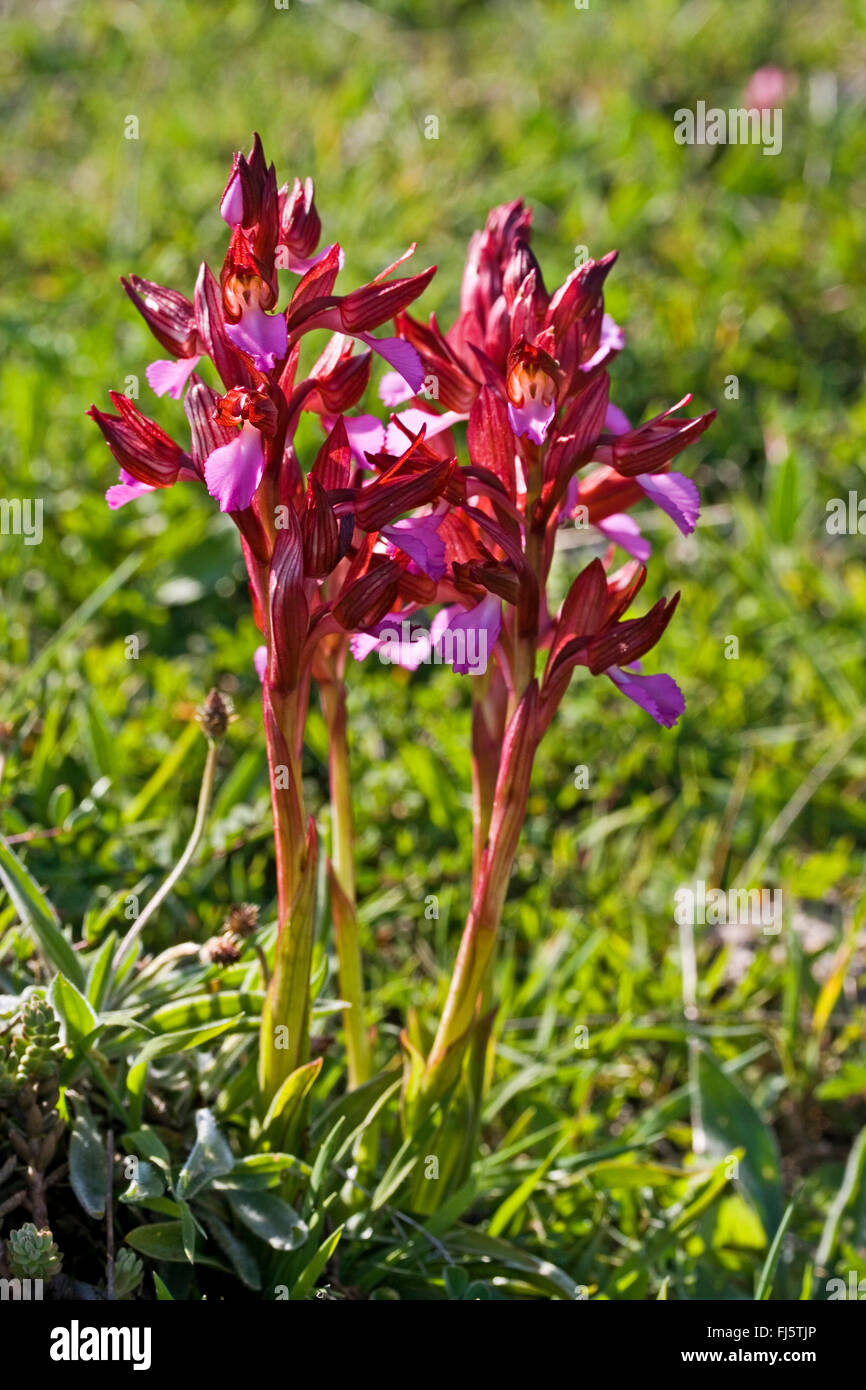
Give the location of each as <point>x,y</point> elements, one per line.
<point>386,523</point>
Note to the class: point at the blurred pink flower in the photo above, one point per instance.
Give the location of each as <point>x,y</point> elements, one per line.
<point>767,88</point>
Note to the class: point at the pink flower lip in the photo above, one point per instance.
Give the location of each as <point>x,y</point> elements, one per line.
<point>233,472</point>
<point>660,695</point>
<point>475,629</point>
<point>624,531</point>
<point>169,377</point>
<point>400,355</point>
<point>532,420</point>
<point>260,661</point>
<point>531,395</point>
<point>676,494</point>
<point>263,337</point>
<point>418,537</point>
<point>126,490</point>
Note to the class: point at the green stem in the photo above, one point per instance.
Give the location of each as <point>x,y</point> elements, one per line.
<point>284,1033</point>
<point>349,960</point>
<point>285,1028</point>
<point>204,800</point>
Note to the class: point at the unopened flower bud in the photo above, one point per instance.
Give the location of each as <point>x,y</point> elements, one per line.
<point>215,715</point>
<point>239,404</point>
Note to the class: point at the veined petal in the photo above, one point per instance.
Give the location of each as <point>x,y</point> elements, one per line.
<point>675,494</point>
<point>299,265</point>
<point>169,316</point>
<point>378,303</point>
<point>300,223</point>
<point>143,450</point>
<point>167,376</point>
<point>262,336</point>
<point>365,600</point>
<point>660,695</point>
<point>623,642</point>
<point>234,471</point>
<point>386,498</point>
<point>650,447</point>
<point>624,531</point>
<point>320,532</point>
<point>400,355</point>
<point>289,607</point>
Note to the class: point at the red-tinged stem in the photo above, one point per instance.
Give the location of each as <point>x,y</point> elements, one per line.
<point>284,1034</point>
<point>284,713</point>
<point>347,937</point>
<point>482,925</point>
<point>489,703</point>
<point>499,818</point>
<point>280,715</point>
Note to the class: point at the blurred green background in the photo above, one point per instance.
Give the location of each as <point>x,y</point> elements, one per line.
<point>732,264</point>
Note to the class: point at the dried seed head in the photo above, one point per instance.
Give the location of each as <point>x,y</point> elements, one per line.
<point>242,919</point>
<point>215,714</point>
<point>222,950</point>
